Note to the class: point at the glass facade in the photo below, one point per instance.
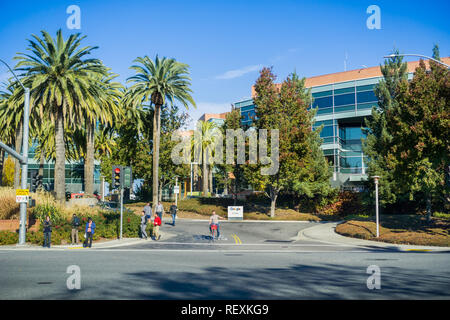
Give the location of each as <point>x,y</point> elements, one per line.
<point>74,173</point>
<point>341,109</point>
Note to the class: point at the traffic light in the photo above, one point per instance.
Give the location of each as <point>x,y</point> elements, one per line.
<point>117,177</point>
<point>34,181</point>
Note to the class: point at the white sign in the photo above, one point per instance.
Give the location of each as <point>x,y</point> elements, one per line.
<point>22,199</point>
<point>235,213</point>
<point>176,189</point>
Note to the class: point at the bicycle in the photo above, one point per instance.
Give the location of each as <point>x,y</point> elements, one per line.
<point>213,231</point>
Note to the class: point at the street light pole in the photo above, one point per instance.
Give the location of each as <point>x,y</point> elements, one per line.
<point>22,158</point>
<point>376,205</point>
<point>415,55</point>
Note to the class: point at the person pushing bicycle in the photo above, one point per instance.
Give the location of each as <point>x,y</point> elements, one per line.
<point>214,221</point>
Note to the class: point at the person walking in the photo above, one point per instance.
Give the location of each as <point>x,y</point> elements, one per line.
<point>173,211</point>
<point>89,231</point>
<point>144,220</point>
<point>47,232</point>
<point>159,210</point>
<point>156,224</point>
<point>148,210</point>
<point>75,226</point>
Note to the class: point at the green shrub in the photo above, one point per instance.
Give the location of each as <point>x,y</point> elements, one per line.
<point>41,211</point>
<point>8,237</point>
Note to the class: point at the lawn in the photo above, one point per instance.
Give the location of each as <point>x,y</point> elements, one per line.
<point>399,229</point>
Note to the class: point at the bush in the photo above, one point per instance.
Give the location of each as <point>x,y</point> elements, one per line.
<point>8,237</point>
<point>43,210</point>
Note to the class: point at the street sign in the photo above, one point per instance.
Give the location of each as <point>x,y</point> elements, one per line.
<point>176,189</point>
<point>22,199</point>
<point>22,192</point>
<point>235,213</point>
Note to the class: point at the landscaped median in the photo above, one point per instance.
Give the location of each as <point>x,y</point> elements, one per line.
<point>202,208</point>
<point>399,229</point>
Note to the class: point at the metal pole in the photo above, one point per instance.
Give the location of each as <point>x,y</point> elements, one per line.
<point>121,212</point>
<point>376,207</point>
<point>23,205</point>
<point>191,179</point>
<point>176,194</point>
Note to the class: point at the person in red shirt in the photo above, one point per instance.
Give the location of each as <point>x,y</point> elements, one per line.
<point>156,224</point>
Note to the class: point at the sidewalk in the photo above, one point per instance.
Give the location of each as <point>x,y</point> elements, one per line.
<point>95,245</point>
<point>325,232</point>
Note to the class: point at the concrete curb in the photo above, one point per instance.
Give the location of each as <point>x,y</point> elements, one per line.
<point>325,232</point>
<point>99,245</point>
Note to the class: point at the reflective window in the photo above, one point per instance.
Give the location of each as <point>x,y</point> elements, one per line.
<point>324,102</point>
<point>366,96</point>
<point>343,99</point>
<point>327,131</point>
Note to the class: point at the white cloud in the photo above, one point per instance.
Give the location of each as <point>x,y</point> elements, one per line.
<point>239,72</point>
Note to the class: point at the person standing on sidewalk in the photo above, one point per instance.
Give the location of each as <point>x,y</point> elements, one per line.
<point>75,226</point>
<point>144,220</point>
<point>148,210</point>
<point>89,230</point>
<point>159,210</point>
<point>47,232</point>
<point>173,211</point>
<point>156,223</point>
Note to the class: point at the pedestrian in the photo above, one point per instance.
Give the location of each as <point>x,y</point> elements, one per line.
<point>47,232</point>
<point>75,226</point>
<point>214,220</point>
<point>173,211</point>
<point>144,221</point>
<point>156,223</point>
<point>148,210</point>
<point>159,210</point>
<point>89,232</point>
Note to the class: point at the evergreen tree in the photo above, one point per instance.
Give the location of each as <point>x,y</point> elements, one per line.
<point>379,137</point>
<point>420,127</point>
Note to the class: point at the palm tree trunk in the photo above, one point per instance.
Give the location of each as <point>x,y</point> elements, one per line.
<point>89,160</point>
<point>205,175</point>
<point>41,164</point>
<point>195,182</point>
<point>211,179</point>
<point>2,161</point>
<point>60,148</point>
<point>18,144</point>
<point>156,135</point>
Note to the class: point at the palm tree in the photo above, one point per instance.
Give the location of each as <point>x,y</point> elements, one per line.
<point>60,79</point>
<point>104,110</point>
<point>206,145</point>
<point>157,82</point>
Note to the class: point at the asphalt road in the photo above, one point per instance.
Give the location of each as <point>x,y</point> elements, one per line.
<point>187,266</point>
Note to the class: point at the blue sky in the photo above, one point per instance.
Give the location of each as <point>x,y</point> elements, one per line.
<point>227,42</point>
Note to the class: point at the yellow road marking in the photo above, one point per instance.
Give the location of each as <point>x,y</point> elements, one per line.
<point>236,238</point>
<point>420,250</point>
<point>76,248</point>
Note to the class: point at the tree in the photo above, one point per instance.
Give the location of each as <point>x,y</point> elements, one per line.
<point>205,130</point>
<point>8,172</point>
<point>60,79</point>
<point>104,110</point>
<point>378,142</point>
<point>420,151</point>
<point>287,111</point>
<point>231,176</point>
<point>157,82</point>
